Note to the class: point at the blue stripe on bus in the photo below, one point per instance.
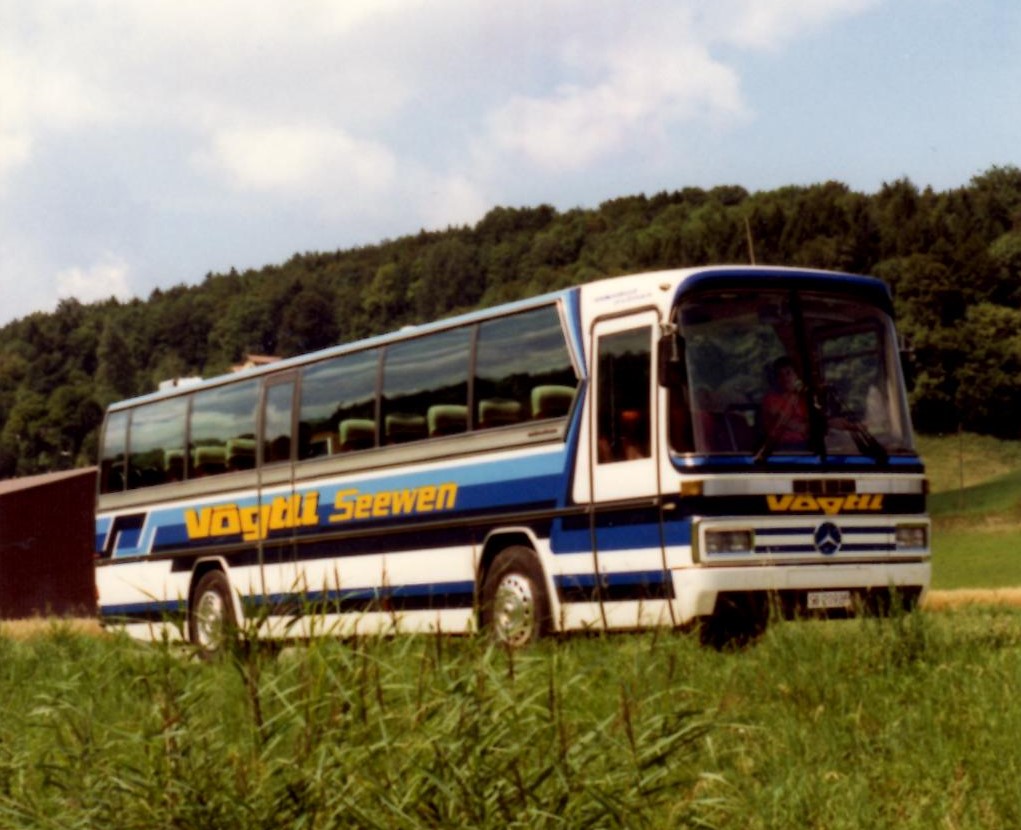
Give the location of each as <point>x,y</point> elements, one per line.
<point>135,612</point>
<point>427,596</point>
<point>531,483</point>
<point>846,530</point>
<point>848,545</point>
<point>103,525</point>
<point>566,538</point>
<point>631,531</point>
<point>844,548</point>
<point>731,463</point>
<point>614,587</point>
<point>572,303</point>
<point>720,279</point>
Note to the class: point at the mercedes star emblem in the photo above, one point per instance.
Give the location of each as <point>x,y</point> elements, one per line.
<point>827,538</point>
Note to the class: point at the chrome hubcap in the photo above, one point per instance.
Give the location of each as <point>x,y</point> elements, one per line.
<point>514,610</point>
<point>209,619</point>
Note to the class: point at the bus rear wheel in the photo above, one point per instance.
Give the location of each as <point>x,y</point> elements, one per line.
<point>515,608</point>
<point>211,623</point>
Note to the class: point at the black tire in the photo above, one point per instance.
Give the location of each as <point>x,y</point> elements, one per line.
<point>515,606</point>
<point>737,621</point>
<point>212,626</point>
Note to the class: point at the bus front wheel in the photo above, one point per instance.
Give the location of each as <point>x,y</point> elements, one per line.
<point>515,608</point>
<point>211,622</point>
<point>738,620</point>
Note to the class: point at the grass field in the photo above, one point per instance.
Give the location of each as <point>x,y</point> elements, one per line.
<point>961,461</point>
<point>976,536</point>
<point>908,722</point>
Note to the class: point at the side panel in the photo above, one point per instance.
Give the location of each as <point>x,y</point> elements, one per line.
<point>397,542</point>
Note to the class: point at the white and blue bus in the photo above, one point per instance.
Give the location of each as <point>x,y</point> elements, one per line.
<point>704,444</point>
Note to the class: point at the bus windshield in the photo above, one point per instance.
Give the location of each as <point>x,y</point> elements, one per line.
<point>790,372</point>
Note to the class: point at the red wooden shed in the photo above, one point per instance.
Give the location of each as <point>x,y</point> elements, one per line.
<point>47,543</point>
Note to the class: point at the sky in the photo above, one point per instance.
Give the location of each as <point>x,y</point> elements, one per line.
<point>147,143</point>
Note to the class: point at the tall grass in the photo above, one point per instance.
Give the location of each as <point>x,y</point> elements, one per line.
<point>907,722</point>
<point>404,733</point>
<point>899,723</point>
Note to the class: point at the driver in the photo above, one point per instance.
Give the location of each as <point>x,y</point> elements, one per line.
<point>784,408</point>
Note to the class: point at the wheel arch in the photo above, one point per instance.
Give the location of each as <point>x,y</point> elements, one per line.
<point>204,566</point>
<point>495,543</point>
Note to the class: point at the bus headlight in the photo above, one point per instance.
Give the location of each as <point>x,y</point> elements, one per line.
<point>912,537</point>
<point>729,541</point>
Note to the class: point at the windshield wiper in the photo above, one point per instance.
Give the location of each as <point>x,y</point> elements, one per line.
<point>863,438</point>
<point>765,450</point>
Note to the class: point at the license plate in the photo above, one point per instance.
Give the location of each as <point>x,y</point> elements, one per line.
<point>829,599</point>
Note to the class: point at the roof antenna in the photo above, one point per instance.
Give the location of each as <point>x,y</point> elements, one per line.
<point>751,245</point>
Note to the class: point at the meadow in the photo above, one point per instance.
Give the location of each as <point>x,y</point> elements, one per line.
<point>975,504</point>
<point>907,722</point>
<point>904,722</point>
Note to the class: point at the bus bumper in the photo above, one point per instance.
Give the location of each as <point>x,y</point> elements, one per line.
<point>700,591</point>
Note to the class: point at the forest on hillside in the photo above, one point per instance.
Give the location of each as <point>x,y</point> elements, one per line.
<point>951,258</point>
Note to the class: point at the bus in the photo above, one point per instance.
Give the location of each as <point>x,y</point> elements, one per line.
<point>698,446</point>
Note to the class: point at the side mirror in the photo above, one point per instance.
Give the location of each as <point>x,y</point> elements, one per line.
<point>673,367</point>
<point>908,366</point>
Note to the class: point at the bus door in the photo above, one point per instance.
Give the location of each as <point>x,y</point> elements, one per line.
<point>279,506</point>
<point>632,581</point>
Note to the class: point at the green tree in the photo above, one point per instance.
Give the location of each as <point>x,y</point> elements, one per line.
<point>996,197</point>
<point>989,378</point>
<point>248,325</point>
<point>1005,259</point>
<point>27,431</point>
<point>385,297</point>
<point>307,322</point>
<point>447,277</point>
<point>74,413</point>
<point>115,366</point>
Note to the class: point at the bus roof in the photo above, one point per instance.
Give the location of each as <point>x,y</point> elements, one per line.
<point>660,288</point>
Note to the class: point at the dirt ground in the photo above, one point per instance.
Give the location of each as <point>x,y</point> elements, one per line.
<point>938,600</point>
<point>22,629</point>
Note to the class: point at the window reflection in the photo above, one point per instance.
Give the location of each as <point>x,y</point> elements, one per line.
<point>157,441</point>
<point>777,372</point>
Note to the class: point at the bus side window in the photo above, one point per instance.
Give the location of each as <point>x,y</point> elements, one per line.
<point>157,431</point>
<point>425,387</point>
<point>222,431</point>
<point>338,405</point>
<point>523,370</point>
<point>276,422</point>
<point>625,361</point>
<point>113,458</point>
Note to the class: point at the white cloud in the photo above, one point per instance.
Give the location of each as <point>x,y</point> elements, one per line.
<point>443,201</point>
<point>643,77</point>
<point>226,23</point>
<point>15,149</point>
<point>109,277</point>
<point>645,89</point>
<point>298,159</point>
<point>192,64</point>
<point>35,97</point>
<point>769,25</point>
<point>195,125</point>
